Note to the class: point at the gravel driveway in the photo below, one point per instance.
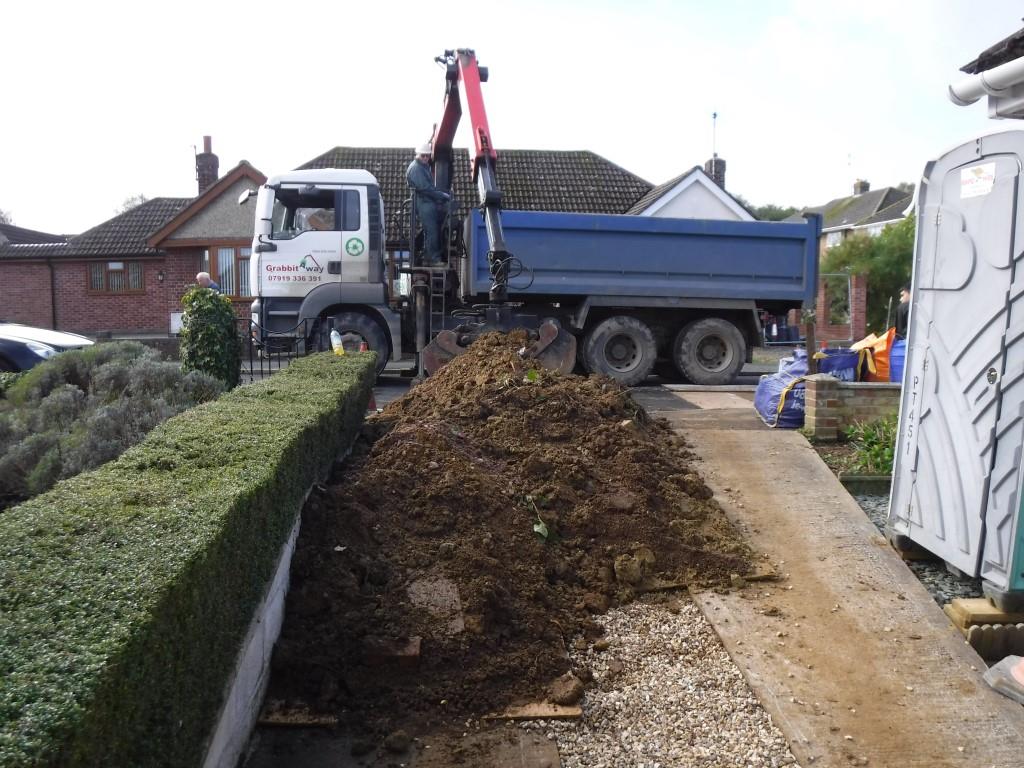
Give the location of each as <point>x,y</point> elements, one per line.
<point>665,695</point>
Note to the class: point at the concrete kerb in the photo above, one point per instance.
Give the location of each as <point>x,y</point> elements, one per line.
<point>247,686</point>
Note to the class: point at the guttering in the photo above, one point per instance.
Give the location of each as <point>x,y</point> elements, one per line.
<point>994,82</point>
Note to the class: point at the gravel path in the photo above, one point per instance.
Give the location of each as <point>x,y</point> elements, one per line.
<point>940,583</point>
<point>665,695</point>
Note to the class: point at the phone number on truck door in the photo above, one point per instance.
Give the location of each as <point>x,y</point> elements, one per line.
<point>293,278</point>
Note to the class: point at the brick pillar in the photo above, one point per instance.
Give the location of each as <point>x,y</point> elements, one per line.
<point>859,307</point>
<point>821,414</point>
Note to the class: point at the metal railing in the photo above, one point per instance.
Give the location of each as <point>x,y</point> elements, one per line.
<point>266,352</point>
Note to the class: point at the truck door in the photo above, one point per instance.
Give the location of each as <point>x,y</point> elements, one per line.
<point>305,228</point>
<point>947,448</point>
<point>355,234</point>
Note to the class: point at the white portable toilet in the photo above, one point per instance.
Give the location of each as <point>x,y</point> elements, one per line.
<point>957,475</point>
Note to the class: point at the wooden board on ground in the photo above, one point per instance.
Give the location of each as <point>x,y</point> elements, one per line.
<point>970,611</point>
<point>538,710</point>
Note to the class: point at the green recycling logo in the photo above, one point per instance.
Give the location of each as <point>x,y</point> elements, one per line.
<point>354,247</point>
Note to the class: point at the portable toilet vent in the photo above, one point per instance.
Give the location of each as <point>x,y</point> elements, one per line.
<point>957,475</point>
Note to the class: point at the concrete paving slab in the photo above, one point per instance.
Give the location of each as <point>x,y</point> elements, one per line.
<point>849,653</point>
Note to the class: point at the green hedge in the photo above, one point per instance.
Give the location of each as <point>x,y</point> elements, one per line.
<point>125,592</point>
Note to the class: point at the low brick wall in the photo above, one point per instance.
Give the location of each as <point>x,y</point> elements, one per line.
<point>832,405</point>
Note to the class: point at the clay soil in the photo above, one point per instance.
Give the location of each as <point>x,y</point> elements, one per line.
<point>486,517</point>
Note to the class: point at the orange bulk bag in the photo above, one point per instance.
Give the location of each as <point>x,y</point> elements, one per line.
<point>880,355</point>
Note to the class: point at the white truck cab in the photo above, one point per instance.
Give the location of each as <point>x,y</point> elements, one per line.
<point>318,252</point>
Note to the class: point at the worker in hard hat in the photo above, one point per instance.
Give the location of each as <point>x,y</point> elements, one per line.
<point>429,203</point>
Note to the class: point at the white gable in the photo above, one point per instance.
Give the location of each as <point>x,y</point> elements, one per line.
<point>696,196</point>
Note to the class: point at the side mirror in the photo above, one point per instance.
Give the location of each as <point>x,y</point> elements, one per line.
<point>244,197</point>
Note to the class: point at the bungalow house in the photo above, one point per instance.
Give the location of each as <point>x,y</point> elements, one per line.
<point>126,276</point>
<point>699,193</point>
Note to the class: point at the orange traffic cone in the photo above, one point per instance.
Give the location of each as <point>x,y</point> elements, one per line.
<point>372,406</point>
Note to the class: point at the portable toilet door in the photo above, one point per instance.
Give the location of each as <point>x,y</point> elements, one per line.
<point>956,474</point>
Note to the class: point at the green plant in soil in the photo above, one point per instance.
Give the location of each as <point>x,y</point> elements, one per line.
<point>874,446</point>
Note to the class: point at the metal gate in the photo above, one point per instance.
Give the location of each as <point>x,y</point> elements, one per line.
<point>955,480</point>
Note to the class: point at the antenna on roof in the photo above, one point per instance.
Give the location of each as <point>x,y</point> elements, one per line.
<point>714,134</point>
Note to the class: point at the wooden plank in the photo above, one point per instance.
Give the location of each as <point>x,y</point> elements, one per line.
<point>975,611</point>
<point>538,710</point>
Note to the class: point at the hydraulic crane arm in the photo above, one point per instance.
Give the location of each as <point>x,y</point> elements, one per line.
<point>463,77</point>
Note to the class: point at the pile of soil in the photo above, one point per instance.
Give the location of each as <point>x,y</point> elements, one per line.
<point>480,523</point>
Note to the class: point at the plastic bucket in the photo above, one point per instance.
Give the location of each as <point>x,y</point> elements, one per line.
<point>897,356</point>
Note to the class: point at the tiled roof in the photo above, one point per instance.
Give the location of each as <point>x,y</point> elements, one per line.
<point>19,235</point>
<point>1005,50</point>
<point>532,180</point>
<point>856,209</point>
<point>123,235</point>
<point>893,212</point>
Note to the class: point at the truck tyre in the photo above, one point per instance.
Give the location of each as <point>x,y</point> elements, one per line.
<point>709,351</point>
<point>621,347</point>
<point>355,328</point>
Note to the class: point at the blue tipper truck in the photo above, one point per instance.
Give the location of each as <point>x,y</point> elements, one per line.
<point>633,289</point>
<point>616,293</point>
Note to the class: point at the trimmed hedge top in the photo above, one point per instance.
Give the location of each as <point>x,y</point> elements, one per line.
<point>125,592</point>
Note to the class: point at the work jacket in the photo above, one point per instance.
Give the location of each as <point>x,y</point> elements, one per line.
<point>419,178</point>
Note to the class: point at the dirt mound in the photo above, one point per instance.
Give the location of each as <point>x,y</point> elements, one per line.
<point>481,521</point>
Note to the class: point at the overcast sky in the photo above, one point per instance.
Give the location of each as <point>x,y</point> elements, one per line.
<point>105,100</point>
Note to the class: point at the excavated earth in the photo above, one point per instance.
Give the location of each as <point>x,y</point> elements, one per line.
<point>481,522</point>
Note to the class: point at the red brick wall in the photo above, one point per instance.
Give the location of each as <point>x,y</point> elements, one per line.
<point>25,293</point>
<point>846,333</point>
<point>831,405</point>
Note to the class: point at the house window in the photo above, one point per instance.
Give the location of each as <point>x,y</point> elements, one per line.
<point>115,277</point>
<point>832,239</point>
<point>228,265</point>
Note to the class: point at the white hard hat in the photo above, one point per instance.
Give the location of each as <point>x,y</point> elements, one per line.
<point>424,149</point>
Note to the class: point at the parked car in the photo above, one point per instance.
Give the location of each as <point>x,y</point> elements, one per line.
<point>22,346</point>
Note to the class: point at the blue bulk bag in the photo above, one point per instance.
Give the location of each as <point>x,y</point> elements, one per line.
<point>841,363</point>
<point>779,399</point>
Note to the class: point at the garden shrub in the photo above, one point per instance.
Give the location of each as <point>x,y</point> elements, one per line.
<point>874,445</point>
<point>84,407</point>
<point>7,378</point>
<point>128,589</point>
<point>209,336</point>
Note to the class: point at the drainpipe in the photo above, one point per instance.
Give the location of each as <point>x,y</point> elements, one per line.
<point>53,295</point>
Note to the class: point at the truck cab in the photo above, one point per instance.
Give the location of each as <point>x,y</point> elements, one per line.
<point>318,255</point>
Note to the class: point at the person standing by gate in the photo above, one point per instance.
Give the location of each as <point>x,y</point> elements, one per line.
<point>429,200</point>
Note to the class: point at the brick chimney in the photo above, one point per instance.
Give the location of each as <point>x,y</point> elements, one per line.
<point>860,187</point>
<point>715,168</point>
<point>207,166</point>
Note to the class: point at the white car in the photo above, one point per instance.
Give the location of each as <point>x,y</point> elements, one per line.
<point>22,346</point>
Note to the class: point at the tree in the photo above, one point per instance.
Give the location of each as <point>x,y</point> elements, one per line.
<point>885,260</point>
<point>906,186</point>
<point>772,212</point>
<point>131,202</point>
<point>5,217</point>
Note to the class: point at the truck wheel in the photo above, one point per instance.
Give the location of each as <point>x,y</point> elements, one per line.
<point>621,347</point>
<point>355,328</point>
<point>709,351</point>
